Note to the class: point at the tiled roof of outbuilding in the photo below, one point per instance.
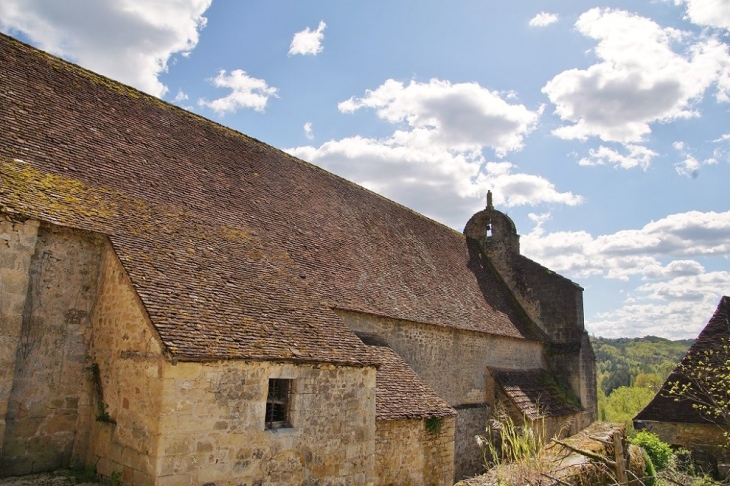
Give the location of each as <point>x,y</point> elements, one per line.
<point>535,392</point>
<point>712,347</point>
<point>400,394</point>
<point>235,248</point>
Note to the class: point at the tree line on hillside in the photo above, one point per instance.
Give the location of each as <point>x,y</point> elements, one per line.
<point>629,372</point>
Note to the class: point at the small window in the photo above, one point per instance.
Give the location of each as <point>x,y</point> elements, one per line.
<point>278,403</point>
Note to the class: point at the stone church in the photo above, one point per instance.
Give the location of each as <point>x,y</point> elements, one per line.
<point>181,304</point>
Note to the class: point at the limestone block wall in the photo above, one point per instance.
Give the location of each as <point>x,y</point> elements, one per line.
<point>127,351</point>
<point>704,441</point>
<point>407,453</point>
<point>212,425</point>
<point>470,422</point>
<point>47,410</point>
<point>17,245</point>
<point>453,362</point>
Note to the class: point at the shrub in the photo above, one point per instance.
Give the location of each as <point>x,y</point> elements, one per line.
<point>649,470</point>
<point>659,452</point>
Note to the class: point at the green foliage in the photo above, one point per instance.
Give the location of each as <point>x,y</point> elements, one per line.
<point>623,404</point>
<point>649,470</point>
<point>703,379</point>
<point>433,425</point>
<point>116,479</point>
<point>659,452</point>
<point>102,414</point>
<point>82,473</point>
<point>623,361</point>
<point>515,448</point>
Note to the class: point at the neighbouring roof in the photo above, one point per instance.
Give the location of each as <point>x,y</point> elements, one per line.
<point>535,392</point>
<point>712,347</point>
<point>400,394</point>
<point>236,249</point>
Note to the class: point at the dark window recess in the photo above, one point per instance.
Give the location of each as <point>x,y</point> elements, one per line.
<point>277,403</point>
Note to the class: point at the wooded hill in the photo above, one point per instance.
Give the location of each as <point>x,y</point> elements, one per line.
<point>630,371</point>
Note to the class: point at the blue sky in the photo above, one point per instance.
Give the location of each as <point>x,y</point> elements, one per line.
<point>602,127</point>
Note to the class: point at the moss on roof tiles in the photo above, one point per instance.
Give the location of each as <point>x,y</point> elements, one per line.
<point>178,196</point>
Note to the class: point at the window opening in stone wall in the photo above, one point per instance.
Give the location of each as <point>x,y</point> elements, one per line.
<point>278,403</point>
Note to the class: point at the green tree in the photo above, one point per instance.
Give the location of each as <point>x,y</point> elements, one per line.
<point>624,403</point>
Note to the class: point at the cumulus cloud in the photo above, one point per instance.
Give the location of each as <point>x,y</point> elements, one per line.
<point>542,19</point>
<point>711,13</point>
<point>246,92</point>
<point>639,80</point>
<point>128,40</point>
<point>444,185</point>
<point>308,130</point>
<point>689,166</point>
<point>308,41</point>
<point>631,252</point>
<point>180,96</point>
<point>434,159</point>
<point>677,308</point>
<point>637,156</point>
<point>676,295</point>
<point>463,116</point>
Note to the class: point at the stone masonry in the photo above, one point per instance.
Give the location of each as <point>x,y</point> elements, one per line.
<point>454,363</point>
<point>49,400</point>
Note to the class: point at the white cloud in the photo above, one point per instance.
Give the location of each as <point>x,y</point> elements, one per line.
<point>639,79</point>
<point>444,185</point>
<point>128,40</point>
<point>308,130</point>
<point>689,166</point>
<point>712,13</point>
<point>308,41</point>
<point>631,252</point>
<point>638,156</point>
<point>676,308</point>
<point>246,92</point>
<point>434,159</point>
<point>462,116</point>
<point>677,293</point>
<point>180,96</point>
<point>542,19</point>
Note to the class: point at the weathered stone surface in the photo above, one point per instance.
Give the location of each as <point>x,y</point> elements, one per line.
<point>454,363</point>
<point>407,453</point>
<point>50,389</point>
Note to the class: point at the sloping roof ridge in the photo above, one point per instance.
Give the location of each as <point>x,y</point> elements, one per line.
<point>547,270</point>
<point>441,326</point>
<point>682,412</point>
<point>100,80</point>
<point>540,335</point>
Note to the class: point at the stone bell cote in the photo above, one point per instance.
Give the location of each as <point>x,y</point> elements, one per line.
<point>495,232</point>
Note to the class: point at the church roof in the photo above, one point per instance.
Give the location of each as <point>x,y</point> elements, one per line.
<point>535,393</point>
<point>236,249</point>
<point>709,353</point>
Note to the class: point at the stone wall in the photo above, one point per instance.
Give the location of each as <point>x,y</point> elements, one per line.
<point>407,453</point>
<point>553,302</point>
<point>704,441</point>
<point>212,425</point>
<point>127,351</point>
<point>470,422</point>
<point>48,407</point>
<point>17,245</point>
<point>454,363</point>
